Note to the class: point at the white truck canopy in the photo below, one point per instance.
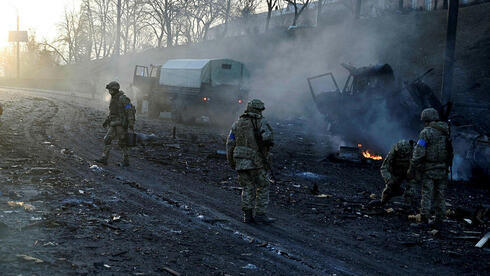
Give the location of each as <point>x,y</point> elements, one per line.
<point>191,73</point>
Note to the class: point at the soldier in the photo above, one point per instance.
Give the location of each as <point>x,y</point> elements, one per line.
<point>247,147</point>
<point>120,118</point>
<point>431,158</point>
<point>394,172</point>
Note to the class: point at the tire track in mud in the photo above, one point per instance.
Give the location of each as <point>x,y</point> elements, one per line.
<point>36,132</point>
<point>81,140</point>
<point>287,244</point>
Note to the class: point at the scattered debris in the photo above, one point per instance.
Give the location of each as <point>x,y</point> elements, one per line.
<point>174,146</point>
<point>250,266</point>
<point>142,138</point>
<point>29,258</point>
<point>27,207</point>
<point>468,221</point>
<point>433,232</point>
<point>352,154</point>
<point>372,196</point>
<point>43,170</point>
<point>417,217</point>
<point>324,196</point>
<point>389,210</point>
<point>171,271</point>
<point>483,241</point>
<point>96,169</point>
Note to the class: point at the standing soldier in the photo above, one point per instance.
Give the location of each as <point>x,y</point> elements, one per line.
<point>247,149</point>
<point>394,172</point>
<point>431,158</point>
<point>121,117</point>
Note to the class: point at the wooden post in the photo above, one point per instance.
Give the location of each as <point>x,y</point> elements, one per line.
<point>447,77</point>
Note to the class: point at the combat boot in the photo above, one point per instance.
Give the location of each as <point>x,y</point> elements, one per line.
<point>263,219</point>
<point>247,216</point>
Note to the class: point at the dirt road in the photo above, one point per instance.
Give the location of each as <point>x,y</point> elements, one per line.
<point>177,207</point>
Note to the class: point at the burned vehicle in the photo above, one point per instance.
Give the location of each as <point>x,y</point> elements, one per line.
<point>191,88</point>
<point>372,107</point>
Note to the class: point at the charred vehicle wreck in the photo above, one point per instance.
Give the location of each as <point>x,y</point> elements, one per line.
<point>373,107</point>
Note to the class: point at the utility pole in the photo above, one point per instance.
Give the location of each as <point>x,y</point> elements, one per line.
<point>117,48</point>
<point>18,51</point>
<point>447,75</point>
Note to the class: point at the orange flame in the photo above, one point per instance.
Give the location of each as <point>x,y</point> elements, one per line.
<point>370,155</point>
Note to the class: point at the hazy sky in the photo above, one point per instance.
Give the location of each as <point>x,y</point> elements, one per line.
<point>39,15</point>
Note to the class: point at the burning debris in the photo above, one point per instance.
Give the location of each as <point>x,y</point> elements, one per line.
<point>355,154</point>
<point>368,154</point>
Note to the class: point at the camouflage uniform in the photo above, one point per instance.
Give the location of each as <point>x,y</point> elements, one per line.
<point>120,118</point>
<point>244,155</point>
<point>394,172</point>
<point>431,159</point>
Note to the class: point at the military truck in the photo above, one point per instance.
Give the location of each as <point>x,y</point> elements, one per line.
<point>191,88</point>
<point>372,105</point>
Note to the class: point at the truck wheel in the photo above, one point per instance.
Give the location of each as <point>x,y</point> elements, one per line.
<point>153,110</point>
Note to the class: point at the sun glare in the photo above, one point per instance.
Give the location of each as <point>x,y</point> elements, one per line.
<point>36,16</point>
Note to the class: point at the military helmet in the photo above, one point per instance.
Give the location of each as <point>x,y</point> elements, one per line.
<point>255,104</point>
<point>429,115</point>
<point>405,146</point>
<point>113,85</point>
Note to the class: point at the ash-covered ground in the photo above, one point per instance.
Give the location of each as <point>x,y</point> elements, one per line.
<point>176,210</point>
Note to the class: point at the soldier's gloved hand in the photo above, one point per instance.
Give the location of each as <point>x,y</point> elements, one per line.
<point>105,124</point>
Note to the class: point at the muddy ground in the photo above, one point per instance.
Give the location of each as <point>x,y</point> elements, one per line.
<point>177,208</point>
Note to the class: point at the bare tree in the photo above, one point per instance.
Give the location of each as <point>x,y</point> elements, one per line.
<point>117,46</point>
<point>299,6</point>
<point>73,37</point>
<point>271,4</point>
<point>200,15</point>
<point>165,14</point>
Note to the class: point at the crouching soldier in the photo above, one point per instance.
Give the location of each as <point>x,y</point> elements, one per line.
<point>431,159</point>
<point>247,147</point>
<point>121,118</point>
<point>394,173</point>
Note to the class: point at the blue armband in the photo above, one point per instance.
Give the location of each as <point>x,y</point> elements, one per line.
<point>232,136</point>
<point>422,142</point>
<point>128,106</point>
